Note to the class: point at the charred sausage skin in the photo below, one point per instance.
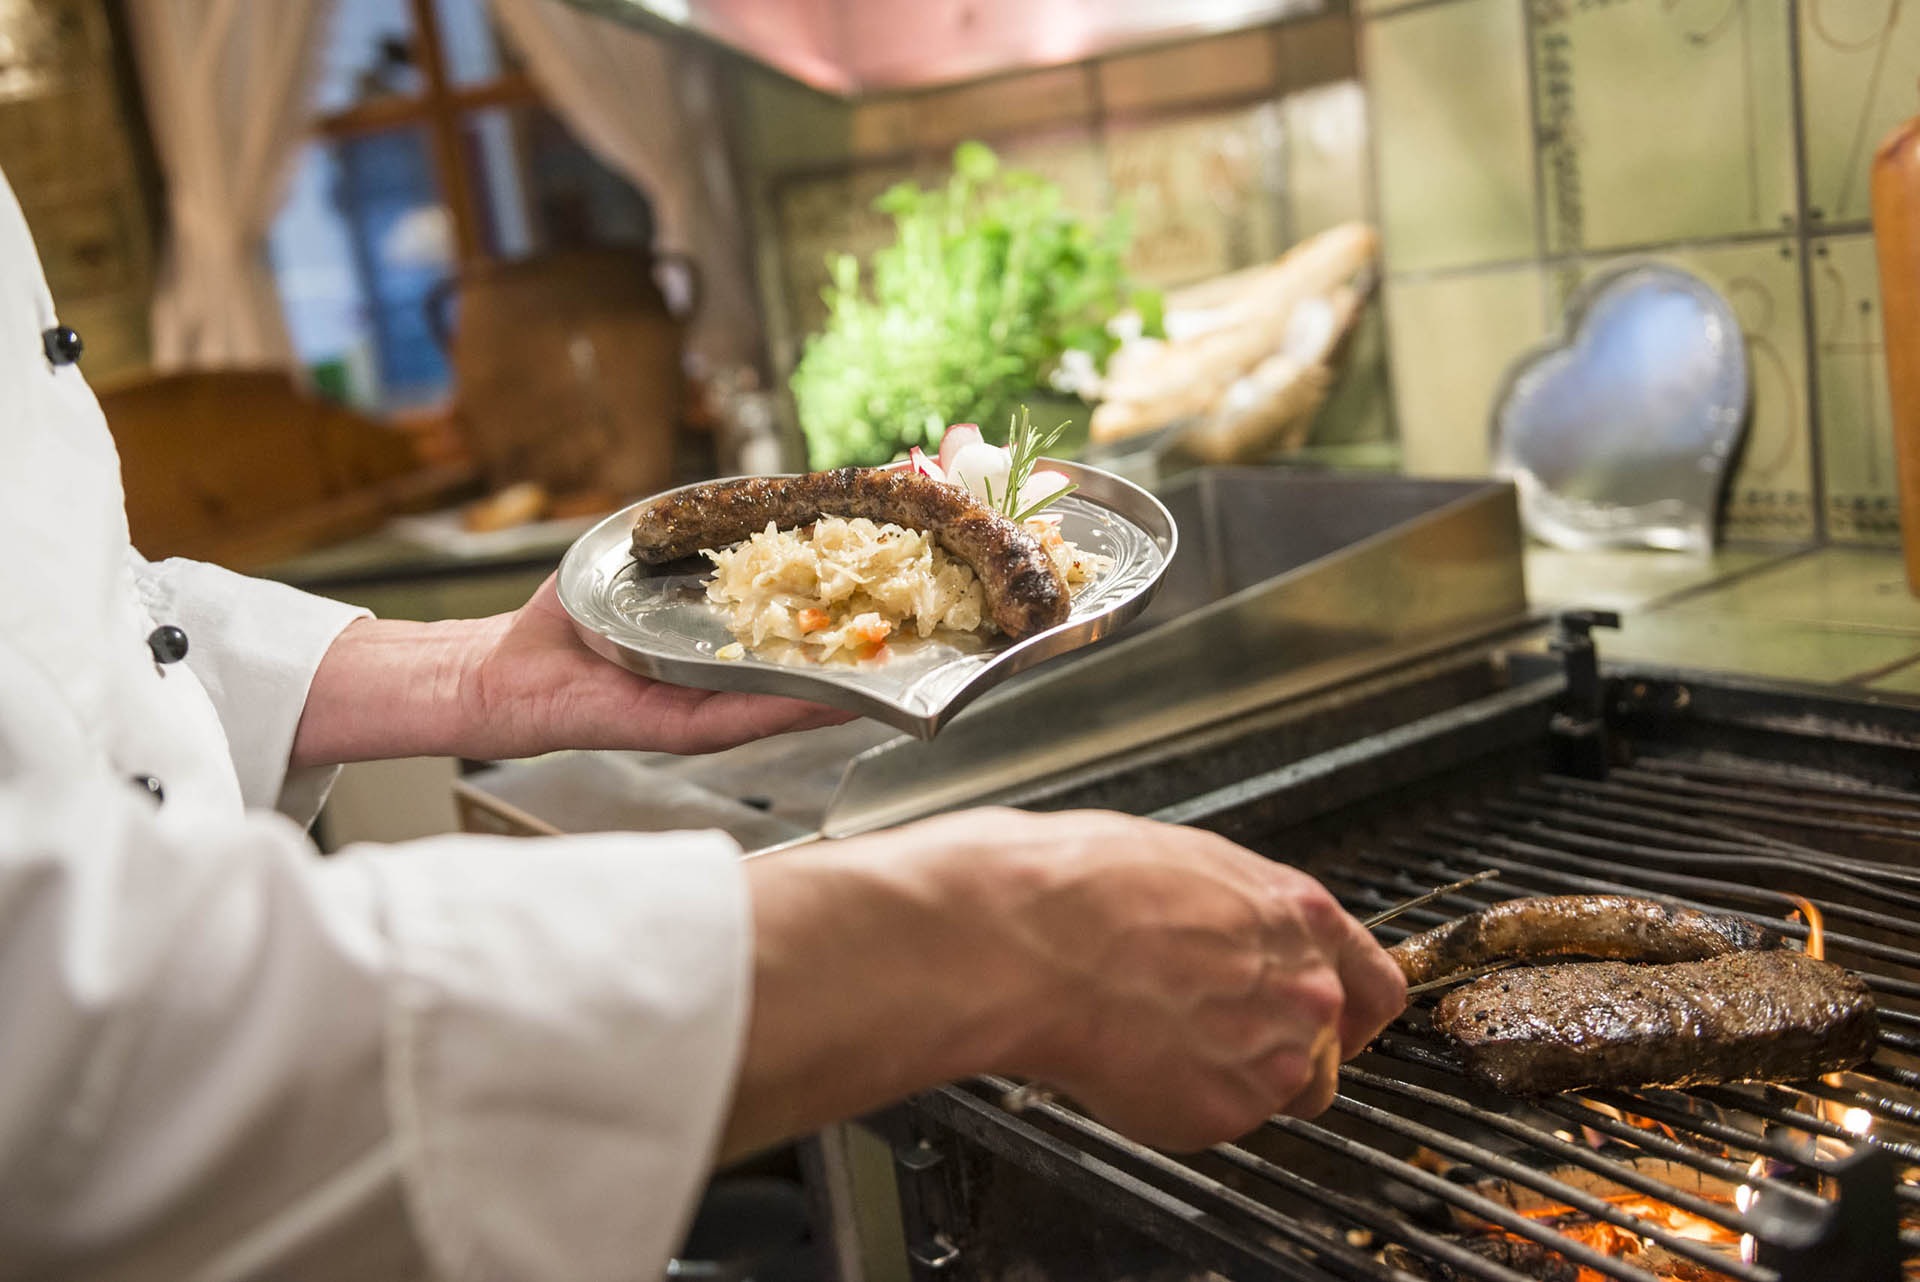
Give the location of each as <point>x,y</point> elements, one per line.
<point>1616,926</point>
<point>1024,590</point>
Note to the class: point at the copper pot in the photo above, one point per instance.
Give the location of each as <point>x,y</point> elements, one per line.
<point>567,368</point>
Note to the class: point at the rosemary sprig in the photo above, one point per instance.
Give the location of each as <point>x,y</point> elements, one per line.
<point>1041,504</point>
<point>1025,447</point>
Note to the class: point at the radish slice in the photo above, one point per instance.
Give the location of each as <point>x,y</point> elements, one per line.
<point>954,440</point>
<point>982,468</point>
<point>1042,484</point>
<point>918,460</point>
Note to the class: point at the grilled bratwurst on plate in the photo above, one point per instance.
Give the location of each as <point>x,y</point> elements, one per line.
<point>1776,1016</point>
<point>1024,590</point>
<point>1618,926</point>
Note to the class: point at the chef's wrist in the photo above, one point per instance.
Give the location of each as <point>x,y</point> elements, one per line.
<point>392,688</point>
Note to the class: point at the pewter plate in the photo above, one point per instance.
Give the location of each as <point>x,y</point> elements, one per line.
<point>661,625</point>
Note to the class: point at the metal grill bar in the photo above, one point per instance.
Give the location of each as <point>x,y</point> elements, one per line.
<point>1477,1204</point>
<point>1630,803</point>
<point>1778,779</point>
<point>1793,806</point>
<point>1352,1260</point>
<point>1656,797</point>
<point>1527,1177</point>
<point>1390,1227</point>
<point>1569,1153</point>
<point>1525,821</point>
<point>1573,813</point>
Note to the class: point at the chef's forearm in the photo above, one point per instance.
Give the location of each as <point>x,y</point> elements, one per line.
<point>392,688</point>
<point>867,984</point>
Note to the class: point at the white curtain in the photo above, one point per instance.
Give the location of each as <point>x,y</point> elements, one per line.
<point>226,84</point>
<point>649,112</point>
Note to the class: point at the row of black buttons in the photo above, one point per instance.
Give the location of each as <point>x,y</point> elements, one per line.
<point>167,644</point>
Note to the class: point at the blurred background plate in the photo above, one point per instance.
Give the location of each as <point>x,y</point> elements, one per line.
<point>661,625</point>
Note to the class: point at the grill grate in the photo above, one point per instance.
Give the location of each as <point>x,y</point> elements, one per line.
<point>1724,837</point>
<point>1743,835</point>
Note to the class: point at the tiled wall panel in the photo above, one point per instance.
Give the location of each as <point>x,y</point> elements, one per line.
<point>1850,358</point>
<point>1731,137</point>
<point>1860,62</point>
<point>1662,122</point>
<point>1451,337</point>
<point>1448,87</point>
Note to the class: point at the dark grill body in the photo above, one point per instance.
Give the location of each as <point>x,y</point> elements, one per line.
<point>1764,803</point>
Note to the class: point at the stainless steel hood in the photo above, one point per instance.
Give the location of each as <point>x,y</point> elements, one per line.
<point>853,47</point>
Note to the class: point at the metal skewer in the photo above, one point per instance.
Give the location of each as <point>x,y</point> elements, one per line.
<point>1459,977</point>
<point>1390,913</point>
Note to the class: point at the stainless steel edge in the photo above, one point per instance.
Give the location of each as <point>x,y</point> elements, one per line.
<point>1453,572</point>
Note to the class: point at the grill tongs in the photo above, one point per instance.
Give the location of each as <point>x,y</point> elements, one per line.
<point>1419,901</point>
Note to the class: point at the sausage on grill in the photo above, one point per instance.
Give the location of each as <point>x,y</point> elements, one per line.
<point>1777,1016</point>
<point>1618,926</point>
<point>1024,590</point>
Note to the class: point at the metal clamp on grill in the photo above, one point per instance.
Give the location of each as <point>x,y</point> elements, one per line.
<point>1579,729</point>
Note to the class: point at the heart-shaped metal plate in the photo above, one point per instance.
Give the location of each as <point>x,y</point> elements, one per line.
<point>1620,433</point>
<point>661,625</point>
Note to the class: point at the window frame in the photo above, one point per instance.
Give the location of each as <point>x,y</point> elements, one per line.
<point>439,108</point>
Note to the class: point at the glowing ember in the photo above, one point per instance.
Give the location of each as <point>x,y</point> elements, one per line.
<point>1857,1121</point>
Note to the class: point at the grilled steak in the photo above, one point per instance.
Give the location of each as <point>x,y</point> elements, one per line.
<point>1585,925</point>
<point>1024,590</point>
<point>1746,1017</point>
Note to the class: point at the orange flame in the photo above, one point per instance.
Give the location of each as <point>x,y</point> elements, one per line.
<point>1817,949</point>
<point>1816,927</point>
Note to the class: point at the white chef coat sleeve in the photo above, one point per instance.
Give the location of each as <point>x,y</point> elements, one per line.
<point>254,644</point>
<point>218,1042</point>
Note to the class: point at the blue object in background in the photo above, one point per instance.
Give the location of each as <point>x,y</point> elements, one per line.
<point>400,233</point>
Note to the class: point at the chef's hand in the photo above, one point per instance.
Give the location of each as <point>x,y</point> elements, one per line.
<point>1181,988</point>
<point>537,686</point>
<point>512,685</point>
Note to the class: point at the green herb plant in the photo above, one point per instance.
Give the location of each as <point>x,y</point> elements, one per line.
<point>989,280</point>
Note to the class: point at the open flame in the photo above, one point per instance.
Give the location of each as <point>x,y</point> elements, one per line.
<point>1816,926</point>
<point>1857,1121</point>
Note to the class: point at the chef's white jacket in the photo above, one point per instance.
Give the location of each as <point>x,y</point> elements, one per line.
<point>223,1056</point>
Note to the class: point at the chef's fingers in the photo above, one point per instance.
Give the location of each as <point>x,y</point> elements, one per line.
<point>1318,1083</point>
<point>1375,988</point>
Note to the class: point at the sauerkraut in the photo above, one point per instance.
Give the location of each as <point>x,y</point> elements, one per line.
<point>841,588</point>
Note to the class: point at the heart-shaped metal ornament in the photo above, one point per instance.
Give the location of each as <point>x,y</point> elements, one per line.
<point>1620,432</point>
<point>661,625</point>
